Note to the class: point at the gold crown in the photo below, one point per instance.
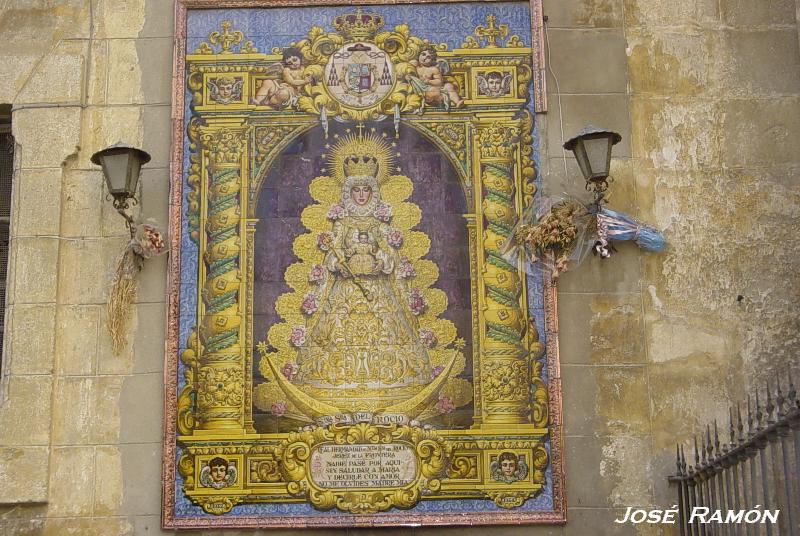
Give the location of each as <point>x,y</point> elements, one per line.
<point>355,165</point>
<point>358,26</point>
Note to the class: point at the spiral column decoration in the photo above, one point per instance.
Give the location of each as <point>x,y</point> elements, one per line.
<point>505,385</point>
<point>221,370</point>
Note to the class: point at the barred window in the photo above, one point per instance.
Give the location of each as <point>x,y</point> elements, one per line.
<point>6,171</point>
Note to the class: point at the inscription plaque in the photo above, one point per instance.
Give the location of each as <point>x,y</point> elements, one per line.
<point>363,466</point>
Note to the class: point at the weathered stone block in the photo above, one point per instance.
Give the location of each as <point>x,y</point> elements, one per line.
<point>605,400</point>
<point>158,129</point>
<point>588,61</point>
<point>677,134</point>
<point>30,342</point>
<point>81,264</point>
<point>156,81</point>
<point>582,13</point>
<point>108,485</point>
<point>152,281</point>
<point>689,392</point>
<point>654,13</point>
<point>83,195</point>
<point>593,274</point>
<point>613,322</point>
<point>155,194</point>
<point>88,526</point>
<point>25,415</point>
<point>58,77</point>
<point>84,413</point>
<point>763,63</point>
<point>119,18</point>
<point>607,111</point>
<point>31,268</point>
<point>105,126</point>
<point>673,62</point>
<point>159,20</point>
<point>141,473</point>
<point>25,473</point>
<point>608,471</point>
<point>124,73</point>
<point>72,482</point>
<point>76,340</point>
<point>761,132</point>
<point>46,136</point>
<point>758,12</point>
<point>142,415</point>
<point>38,207</point>
<point>149,338</point>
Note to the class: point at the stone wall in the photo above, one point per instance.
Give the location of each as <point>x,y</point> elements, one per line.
<point>705,93</point>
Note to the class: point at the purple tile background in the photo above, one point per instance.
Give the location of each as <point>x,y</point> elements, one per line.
<point>437,192</point>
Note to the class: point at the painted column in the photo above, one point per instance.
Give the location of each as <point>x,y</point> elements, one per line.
<point>222,360</point>
<point>505,391</point>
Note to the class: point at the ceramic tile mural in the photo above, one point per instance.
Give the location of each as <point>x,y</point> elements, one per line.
<point>351,341</point>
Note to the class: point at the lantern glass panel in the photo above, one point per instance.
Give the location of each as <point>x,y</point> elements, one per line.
<point>116,170</point>
<point>582,159</point>
<point>598,152</point>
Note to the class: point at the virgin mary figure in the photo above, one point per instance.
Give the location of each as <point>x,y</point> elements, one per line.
<point>363,340</point>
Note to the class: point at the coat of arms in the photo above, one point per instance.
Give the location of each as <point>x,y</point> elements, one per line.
<point>359,75</point>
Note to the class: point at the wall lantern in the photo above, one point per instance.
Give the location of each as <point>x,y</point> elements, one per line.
<point>121,165</point>
<point>592,149</point>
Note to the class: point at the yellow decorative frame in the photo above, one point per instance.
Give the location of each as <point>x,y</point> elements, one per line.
<point>491,149</point>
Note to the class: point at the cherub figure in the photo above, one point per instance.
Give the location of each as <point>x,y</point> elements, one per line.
<point>429,80</point>
<point>225,89</point>
<point>494,84</point>
<point>218,474</point>
<point>508,468</point>
<point>282,87</point>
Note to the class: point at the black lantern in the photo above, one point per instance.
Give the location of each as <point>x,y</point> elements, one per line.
<point>121,165</point>
<point>592,149</point>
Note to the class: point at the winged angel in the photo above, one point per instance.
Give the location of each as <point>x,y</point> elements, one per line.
<point>494,84</point>
<point>283,81</point>
<point>218,474</point>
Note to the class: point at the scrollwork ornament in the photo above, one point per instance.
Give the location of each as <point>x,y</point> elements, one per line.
<point>509,499</point>
<point>217,504</point>
<point>186,470</point>
<point>431,451</point>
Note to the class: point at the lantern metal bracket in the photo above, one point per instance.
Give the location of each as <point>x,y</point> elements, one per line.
<point>122,203</point>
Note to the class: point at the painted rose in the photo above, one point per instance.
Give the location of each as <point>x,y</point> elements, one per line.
<point>383,212</point>
<point>445,404</point>
<point>309,305</point>
<point>278,408</point>
<point>298,336</point>
<point>325,240</point>
<point>416,301</point>
<point>316,274</point>
<point>405,269</point>
<point>336,212</point>
<point>427,338</point>
<point>394,238</point>
<point>289,370</point>
<point>436,371</point>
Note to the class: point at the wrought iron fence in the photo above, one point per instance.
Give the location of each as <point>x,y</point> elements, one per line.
<point>756,472</point>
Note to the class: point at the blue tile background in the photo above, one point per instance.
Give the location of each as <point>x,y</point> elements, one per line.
<point>277,27</point>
